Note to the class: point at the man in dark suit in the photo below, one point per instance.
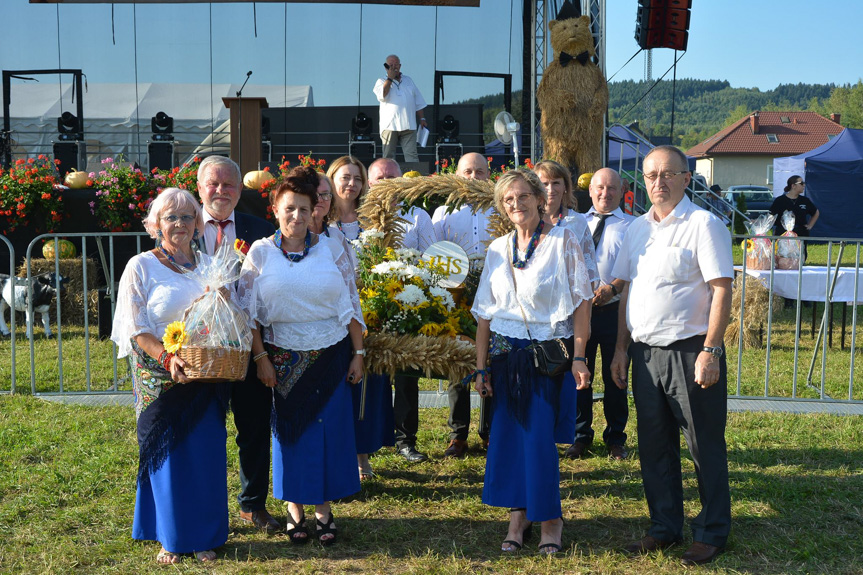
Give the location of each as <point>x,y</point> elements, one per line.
<point>219,185</point>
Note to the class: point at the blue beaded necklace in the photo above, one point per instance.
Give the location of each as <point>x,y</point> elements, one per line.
<point>339,225</point>
<point>559,216</point>
<point>531,247</point>
<point>171,259</point>
<point>296,258</point>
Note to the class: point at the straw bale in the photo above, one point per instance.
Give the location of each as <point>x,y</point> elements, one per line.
<point>72,302</point>
<point>755,309</point>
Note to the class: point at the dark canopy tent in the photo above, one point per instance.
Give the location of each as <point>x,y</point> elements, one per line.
<point>834,179</point>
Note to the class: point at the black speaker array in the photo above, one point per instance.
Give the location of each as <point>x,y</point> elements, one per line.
<point>663,24</point>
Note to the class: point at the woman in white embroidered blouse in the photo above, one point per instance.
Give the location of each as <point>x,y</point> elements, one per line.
<point>534,286</point>
<point>375,430</point>
<point>299,288</point>
<point>181,499</point>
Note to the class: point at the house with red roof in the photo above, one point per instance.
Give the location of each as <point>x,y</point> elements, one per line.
<point>743,153</point>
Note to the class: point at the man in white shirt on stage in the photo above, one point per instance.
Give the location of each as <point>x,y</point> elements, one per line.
<point>607,224</point>
<point>677,268</point>
<point>401,110</point>
<point>419,234</point>
<point>469,230</point>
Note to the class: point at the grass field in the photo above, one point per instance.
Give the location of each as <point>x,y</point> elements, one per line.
<point>67,496</point>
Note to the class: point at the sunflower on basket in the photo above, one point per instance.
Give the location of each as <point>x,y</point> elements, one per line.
<point>175,336</point>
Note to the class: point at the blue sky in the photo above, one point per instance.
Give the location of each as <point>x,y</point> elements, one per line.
<point>753,43</point>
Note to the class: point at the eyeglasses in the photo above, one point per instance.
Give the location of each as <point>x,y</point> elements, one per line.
<point>801,182</point>
<point>521,199</point>
<point>173,219</point>
<point>325,196</point>
<point>664,176</point>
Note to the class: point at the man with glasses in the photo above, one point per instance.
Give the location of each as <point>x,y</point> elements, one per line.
<point>401,110</point>
<point>220,185</point>
<point>419,234</point>
<point>676,265</point>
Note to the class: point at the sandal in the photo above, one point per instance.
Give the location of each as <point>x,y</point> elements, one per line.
<point>326,528</point>
<point>295,528</point>
<point>165,557</point>
<point>366,473</point>
<point>525,535</point>
<point>205,556</point>
<point>552,548</point>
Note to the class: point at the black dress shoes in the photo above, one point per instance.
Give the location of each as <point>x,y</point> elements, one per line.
<point>700,553</point>
<point>411,454</point>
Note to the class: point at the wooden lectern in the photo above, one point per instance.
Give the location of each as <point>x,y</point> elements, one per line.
<point>246,131</point>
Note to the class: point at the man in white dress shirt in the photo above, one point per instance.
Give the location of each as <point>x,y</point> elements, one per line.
<point>676,264</point>
<point>469,230</point>
<point>607,224</point>
<point>401,109</point>
<point>220,185</point>
<point>418,234</point>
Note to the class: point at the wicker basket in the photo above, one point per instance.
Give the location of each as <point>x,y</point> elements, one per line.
<point>214,364</point>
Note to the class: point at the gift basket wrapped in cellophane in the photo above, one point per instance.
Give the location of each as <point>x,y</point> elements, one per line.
<point>217,337</point>
<point>415,325</point>
<point>788,251</point>
<point>758,250</point>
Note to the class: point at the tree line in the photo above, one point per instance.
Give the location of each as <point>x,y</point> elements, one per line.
<point>703,107</point>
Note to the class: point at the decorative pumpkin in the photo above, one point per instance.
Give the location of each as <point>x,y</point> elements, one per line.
<point>76,180</point>
<point>584,180</point>
<point>254,180</point>
<point>413,174</point>
<point>67,248</point>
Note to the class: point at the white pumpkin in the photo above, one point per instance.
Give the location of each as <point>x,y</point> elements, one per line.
<point>76,180</point>
<point>254,180</point>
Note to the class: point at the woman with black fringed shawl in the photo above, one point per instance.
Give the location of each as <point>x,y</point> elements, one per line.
<point>534,286</point>
<point>182,495</point>
<point>308,346</point>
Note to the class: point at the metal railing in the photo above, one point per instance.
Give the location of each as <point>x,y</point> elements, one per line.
<point>773,369</point>
<point>12,312</point>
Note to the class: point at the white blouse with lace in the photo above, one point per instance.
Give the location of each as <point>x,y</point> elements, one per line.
<point>305,305</point>
<point>550,287</point>
<point>578,224</point>
<point>150,296</point>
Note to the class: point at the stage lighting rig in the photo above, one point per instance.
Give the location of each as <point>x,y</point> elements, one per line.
<point>361,138</point>
<point>448,145</point>
<point>69,127</point>
<point>163,127</point>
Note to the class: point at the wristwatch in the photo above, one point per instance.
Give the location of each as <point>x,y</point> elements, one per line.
<point>361,352</point>
<point>714,351</point>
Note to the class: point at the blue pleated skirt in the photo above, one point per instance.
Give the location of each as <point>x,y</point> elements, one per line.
<point>322,464</point>
<point>377,428</point>
<point>522,467</point>
<point>564,430</point>
<point>185,505</point>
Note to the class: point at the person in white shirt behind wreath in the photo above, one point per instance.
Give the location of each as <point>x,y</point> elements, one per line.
<point>401,110</point>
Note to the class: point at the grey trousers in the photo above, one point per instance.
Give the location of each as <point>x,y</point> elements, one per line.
<point>667,400</point>
<point>407,139</point>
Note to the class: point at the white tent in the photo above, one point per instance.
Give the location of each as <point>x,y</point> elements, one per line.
<point>117,116</point>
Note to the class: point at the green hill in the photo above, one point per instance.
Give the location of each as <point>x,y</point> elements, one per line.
<point>702,106</point>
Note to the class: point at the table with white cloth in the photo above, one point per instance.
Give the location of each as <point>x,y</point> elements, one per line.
<point>814,284</point>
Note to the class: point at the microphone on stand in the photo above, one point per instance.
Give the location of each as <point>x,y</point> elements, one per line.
<point>240,122</point>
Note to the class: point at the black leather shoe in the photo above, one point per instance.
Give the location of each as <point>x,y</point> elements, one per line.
<point>411,455</point>
<point>700,553</point>
<point>262,520</point>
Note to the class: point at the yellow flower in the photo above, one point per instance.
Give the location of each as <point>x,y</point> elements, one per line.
<point>430,329</point>
<point>369,293</point>
<point>393,287</point>
<point>175,336</point>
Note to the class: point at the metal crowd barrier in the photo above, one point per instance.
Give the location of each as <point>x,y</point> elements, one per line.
<point>11,323</point>
<point>752,370</point>
<point>106,267</point>
<point>827,384</point>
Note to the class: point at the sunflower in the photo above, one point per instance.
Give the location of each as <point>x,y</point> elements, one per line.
<point>175,336</point>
